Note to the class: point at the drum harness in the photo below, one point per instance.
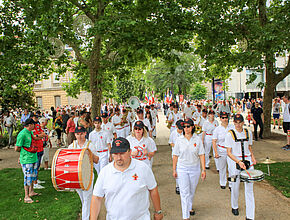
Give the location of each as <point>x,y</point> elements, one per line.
<point>246,162</point>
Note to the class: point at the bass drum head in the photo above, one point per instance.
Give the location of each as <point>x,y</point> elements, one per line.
<point>86,171</point>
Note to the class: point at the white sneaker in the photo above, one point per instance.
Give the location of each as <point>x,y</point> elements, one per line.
<point>39,181</point>
<point>37,186</point>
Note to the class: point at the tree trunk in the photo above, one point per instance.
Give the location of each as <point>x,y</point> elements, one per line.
<point>96,91</point>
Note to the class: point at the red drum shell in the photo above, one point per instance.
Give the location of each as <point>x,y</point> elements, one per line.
<point>67,169</point>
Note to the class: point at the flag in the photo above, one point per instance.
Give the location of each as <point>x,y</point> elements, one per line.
<point>146,96</point>
<point>170,98</point>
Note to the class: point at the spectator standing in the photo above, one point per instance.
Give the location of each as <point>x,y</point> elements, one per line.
<point>24,116</point>
<point>286,120</point>
<point>9,122</point>
<point>46,142</point>
<point>65,118</point>
<point>276,113</point>
<point>70,129</point>
<point>258,120</point>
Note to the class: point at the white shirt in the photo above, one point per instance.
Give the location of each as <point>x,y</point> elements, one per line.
<point>140,146</point>
<point>126,193</point>
<point>286,113</point>
<point>9,121</point>
<point>236,146</point>
<point>116,120</point>
<point>169,111</point>
<point>209,127</point>
<point>175,117</point>
<point>188,111</point>
<point>188,152</point>
<point>154,114</point>
<point>200,121</point>
<point>87,144</point>
<point>219,134</point>
<point>99,139</point>
<point>173,137</point>
<point>110,130</point>
<point>196,115</point>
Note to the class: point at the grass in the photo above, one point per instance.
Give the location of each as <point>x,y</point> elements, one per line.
<point>52,204</point>
<point>280,176</point>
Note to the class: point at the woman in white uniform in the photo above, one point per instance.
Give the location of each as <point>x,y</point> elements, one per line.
<point>188,154</point>
<point>208,128</point>
<point>218,144</point>
<point>234,151</point>
<point>174,117</point>
<point>140,144</point>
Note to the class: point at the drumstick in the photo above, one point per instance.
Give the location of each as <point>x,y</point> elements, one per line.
<point>248,173</point>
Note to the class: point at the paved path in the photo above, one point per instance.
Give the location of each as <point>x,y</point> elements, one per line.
<point>210,202</point>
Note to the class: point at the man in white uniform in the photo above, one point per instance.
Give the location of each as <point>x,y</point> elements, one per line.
<point>154,115</point>
<point>101,142</point>
<point>197,114</point>
<point>108,127</point>
<point>79,143</point>
<point>117,121</point>
<point>233,143</point>
<point>126,185</point>
<point>188,111</point>
<point>286,121</point>
<point>172,139</point>
<point>169,111</point>
<point>174,117</point>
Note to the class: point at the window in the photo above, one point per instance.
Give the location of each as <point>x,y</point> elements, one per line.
<point>55,78</point>
<point>39,102</point>
<point>57,101</point>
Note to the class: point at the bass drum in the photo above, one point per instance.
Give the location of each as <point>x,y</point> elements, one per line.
<point>72,169</point>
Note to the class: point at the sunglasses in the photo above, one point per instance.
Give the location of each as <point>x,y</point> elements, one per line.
<point>224,117</point>
<point>137,129</point>
<point>188,126</point>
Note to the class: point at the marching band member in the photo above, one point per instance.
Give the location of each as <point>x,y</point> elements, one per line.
<point>169,111</point>
<point>197,113</point>
<point>79,143</point>
<point>127,123</point>
<point>140,117</point>
<point>141,146</point>
<point>172,140</point>
<point>108,127</point>
<point>155,118</point>
<point>174,117</point>
<point>188,153</point>
<point>218,143</point>
<point>208,128</point>
<point>233,145</point>
<point>117,121</point>
<point>188,111</point>
<point>101,142</point>
<point>200,120</point>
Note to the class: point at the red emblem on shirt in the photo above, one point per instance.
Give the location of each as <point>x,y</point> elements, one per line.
<point>135,176</point>
<point>101,137</point>
<point>194,145</point>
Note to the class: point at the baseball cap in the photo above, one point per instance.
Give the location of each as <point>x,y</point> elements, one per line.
<point>29,121</point>
<point>238,117</point>
<point>98,118</point>
<point>179,124</point>
<point>140,111</point>
<point>224,114</point>
<point>80,129</point>
<point>188,121</point>
<point>139,124</point>
<point>120,145</point>
<point>211,112</point>
<point>34,115</point>
<point>104,115</point>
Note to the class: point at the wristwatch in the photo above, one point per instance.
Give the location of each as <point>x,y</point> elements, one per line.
<point>158,212</point>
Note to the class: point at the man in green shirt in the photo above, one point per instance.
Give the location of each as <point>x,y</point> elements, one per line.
<point>28,160</point>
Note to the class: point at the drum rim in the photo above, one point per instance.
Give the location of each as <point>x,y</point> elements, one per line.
<point>55,157</point>
<point>81,156</point>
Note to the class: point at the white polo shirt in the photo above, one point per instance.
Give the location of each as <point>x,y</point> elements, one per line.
<point>110,130</point>
<point>100,140</point>
<point>188,111</point>
<point>219,134</point>
<point>154,114</point>
<point>200,121</point>
<point>236,146</point>
<point>196,115</point>
<point>87,144</point>
<point>175,117</point>
<point>173,137</point>
<point>126,193</point>
<point>140,146</point>
<point>188,152</point>
<point>209,127</point>
<point>286,113</point>
<point>115,120</point>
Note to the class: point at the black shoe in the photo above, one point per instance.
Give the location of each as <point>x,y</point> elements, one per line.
<point>274,127</point>
<point>217,171</point>
<point>177,191</point>
<point>261,138</point>
<point>207,168</point>
<point>248,218</point>
<point>256,139</point>
<point>235,211</point>
<point>230,188</point>
<point>223,187</point>
<point>192,212</point>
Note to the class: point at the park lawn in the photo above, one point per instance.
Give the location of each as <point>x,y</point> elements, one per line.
<point>280,176</point>
<point>52,204</point>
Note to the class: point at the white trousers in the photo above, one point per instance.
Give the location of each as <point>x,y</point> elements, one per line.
<point>176,179</point>
<point>207,148</point>
<point>86,197</point>
<point>188,179</point>
<point>222,166</point>
<point>249,191</point>
<point>103,161</point>
<point>120,132</point>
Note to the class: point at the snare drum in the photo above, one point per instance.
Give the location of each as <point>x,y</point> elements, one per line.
<point>252,175</point>
<point>72,169</point>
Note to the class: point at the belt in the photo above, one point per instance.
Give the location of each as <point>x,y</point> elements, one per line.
<point>126,126</point>
<point>208,134</point>
<point>101,151</point>
<point>222,146</point>
<point>242,156</point>
<point>173,126</point>
<point>119,128</point>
